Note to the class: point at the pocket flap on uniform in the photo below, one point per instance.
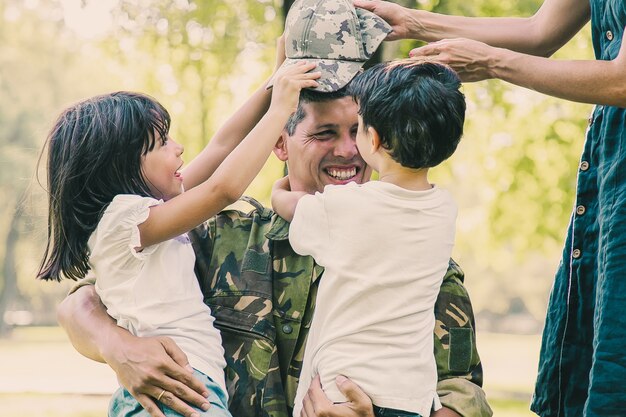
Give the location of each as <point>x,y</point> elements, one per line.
<point>255,261</point>
<point>460,354</point>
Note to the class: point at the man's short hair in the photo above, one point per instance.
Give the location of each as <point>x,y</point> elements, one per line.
<point>311,96</point>
<point>415,106</point>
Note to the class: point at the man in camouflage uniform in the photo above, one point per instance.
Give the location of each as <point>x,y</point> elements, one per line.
<point>261,293</point>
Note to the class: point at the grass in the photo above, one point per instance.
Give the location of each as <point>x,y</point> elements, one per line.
<point>42,375</point>
<point>53,405</point>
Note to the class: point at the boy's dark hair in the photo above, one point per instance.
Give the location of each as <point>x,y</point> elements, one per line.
<point>94,154</point>
<point>311,96</point>
<point>416,108</point>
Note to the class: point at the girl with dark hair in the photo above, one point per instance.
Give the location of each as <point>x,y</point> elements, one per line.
<point>120,207</point>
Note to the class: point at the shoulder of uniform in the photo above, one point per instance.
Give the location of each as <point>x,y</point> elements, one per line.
<point>454,272</point>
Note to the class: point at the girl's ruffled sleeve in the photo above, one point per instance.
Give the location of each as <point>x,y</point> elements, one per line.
<point>122,218</point>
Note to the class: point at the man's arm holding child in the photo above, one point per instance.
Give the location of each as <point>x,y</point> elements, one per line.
<point>144,366</point>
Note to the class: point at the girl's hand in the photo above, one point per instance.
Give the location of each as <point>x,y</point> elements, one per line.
<point>288,82</point>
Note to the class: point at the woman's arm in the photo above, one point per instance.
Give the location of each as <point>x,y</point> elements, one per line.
<point>513,49</point>
<point>585,81</point>
<point>555,23</point>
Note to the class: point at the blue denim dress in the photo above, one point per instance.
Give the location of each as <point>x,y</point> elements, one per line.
<point>582,367</point>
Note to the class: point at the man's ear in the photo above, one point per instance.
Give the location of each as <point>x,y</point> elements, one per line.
<point>280,149</point>
<point>374,139</point>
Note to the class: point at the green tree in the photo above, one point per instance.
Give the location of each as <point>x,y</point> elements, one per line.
<point>43,68</point>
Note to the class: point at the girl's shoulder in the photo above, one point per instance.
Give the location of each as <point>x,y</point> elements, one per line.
<point>131,202</point>
<point>127,210</point>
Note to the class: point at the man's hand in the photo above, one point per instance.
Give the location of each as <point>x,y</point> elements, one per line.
<point>472,60</point>
<point>315,403</point>
<point>445,412</point>
<point>153,367</point>
<point>399,18</point>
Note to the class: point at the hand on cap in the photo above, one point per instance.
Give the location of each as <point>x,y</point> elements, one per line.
<point>288,82</point>
<point>397,16</point>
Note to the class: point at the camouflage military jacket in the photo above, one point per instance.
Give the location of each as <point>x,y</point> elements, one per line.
<point>262,295</point>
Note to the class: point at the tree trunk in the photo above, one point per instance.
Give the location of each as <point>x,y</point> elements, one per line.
<point>9,289</point>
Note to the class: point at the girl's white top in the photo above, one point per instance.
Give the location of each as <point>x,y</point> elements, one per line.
<point>153,292</point>
<point>385,250</point>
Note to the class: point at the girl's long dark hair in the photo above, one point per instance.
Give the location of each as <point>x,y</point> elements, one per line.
<point>94,154</point>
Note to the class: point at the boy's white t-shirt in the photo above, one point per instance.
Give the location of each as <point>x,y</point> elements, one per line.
<point>154,292</point>
<point>385,250</point>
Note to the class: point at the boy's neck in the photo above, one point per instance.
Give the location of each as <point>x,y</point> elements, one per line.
<point>407,178</point>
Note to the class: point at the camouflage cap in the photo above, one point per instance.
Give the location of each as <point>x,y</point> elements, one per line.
<point>335,35</point>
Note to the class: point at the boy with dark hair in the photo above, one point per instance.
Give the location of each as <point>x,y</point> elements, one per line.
<point>385,240</point>
<point>415,108</point>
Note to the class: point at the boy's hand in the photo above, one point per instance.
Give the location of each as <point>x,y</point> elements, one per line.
<point>284,201</point>
<point>317,404</point>
<point>282,184</point>
<point>288,82</point>
<point>394,14</point>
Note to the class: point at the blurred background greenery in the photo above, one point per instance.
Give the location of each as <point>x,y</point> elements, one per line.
<point>513,175</point>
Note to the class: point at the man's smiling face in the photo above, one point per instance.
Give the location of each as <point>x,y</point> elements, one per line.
<point>322,149</point>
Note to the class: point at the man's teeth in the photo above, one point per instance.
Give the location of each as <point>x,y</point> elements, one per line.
<point>342,174</point>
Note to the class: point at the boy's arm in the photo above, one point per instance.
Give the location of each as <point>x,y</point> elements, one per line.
<point>458,364</point>
<point>145,366</point>
<point>232,132</point>
<point>285,201</point>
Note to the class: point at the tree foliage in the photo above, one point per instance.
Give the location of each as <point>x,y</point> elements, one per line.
<point>513,175</point>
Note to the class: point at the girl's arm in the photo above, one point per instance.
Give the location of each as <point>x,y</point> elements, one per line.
<point>186,211</point>
<point>285,201</point>
<point>232,131</point>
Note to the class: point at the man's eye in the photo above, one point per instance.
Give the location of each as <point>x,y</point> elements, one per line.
<point>325,134</point>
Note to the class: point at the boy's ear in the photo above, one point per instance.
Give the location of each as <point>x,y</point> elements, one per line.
<point>374,138</point>
<point>280,149</point>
